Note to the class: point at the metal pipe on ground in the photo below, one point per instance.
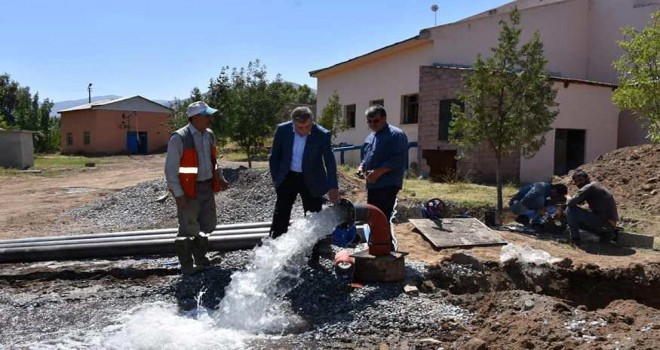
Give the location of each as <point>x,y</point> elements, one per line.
<point>129,233</point>
<point>107,239</point>
<point>220,243</point>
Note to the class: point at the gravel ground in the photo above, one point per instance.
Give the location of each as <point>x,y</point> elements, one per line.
<point>250,198</point>
<point>93,304</point>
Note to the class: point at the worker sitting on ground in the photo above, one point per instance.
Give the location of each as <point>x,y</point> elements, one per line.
<point>601,217</point>
<point>535,200</point>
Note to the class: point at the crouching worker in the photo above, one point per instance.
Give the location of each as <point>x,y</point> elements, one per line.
<point>601,217</point>
<point>535,200</point>
<point>193,177</point>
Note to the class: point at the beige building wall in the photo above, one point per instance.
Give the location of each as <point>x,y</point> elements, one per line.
<point>108,130</point>
<point>579,39</point>
<point>606,18</point>
<point>388,78</point>
<point>581,106</point>
<point>564,29</point>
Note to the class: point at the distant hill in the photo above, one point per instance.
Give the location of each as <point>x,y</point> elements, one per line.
<point>58,106</point>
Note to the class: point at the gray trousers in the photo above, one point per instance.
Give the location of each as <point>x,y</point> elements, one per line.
<point>196,220</point>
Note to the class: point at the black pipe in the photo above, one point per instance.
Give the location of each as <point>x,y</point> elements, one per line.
<point>114,249</point>
<point>127,233</point>
<point>127,238</point>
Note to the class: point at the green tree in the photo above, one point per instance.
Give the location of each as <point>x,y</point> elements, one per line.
<point>219,96</point>
<point>304,95</point>
<point>23,109</point>
<point>8,98</point>
<point>639,75</point>
<point>332,117</point>
<point>253,106</point>
<point>177,118</point>
<point>4,124</point>
<point>508,100</point>
<point>45,136</point>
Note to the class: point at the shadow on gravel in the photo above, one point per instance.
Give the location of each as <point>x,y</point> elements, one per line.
<point>71,275</point>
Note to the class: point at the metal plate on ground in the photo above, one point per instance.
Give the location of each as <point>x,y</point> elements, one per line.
<point>455,233</point>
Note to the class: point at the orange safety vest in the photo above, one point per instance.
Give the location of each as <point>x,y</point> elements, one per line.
<point>188,165</point>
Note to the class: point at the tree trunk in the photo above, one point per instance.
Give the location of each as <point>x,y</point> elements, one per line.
<point>249,156</point>
<point>498,180</point>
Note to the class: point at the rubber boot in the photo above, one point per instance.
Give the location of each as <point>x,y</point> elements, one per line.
<point>200,245</point>
<point>182,247</point>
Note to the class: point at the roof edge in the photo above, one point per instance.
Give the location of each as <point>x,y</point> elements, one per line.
<point>420,36</point>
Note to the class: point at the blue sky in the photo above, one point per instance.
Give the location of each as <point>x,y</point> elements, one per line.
<point>162,49</point>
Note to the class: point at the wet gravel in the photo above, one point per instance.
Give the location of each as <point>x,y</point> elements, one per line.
<point>65,298</point>
<point>43,302</point>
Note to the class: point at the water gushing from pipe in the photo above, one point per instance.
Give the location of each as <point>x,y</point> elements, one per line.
<point>253,299</point>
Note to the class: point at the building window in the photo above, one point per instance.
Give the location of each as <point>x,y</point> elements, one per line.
<point>86,138</point>
<point>446,117</point>
<point>377,102</point>
<point>349,113</point>
<point>69,139</point>
<point>410,105</point>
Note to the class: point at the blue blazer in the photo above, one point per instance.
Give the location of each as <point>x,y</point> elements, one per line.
<point>318,164</point>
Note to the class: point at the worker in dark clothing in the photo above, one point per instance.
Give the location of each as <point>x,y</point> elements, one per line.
<point>601,217</point>
<point>531,201</point>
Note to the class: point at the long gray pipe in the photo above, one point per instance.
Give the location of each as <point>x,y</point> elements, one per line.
<point>129,233</point>
<point>113,249</point>
<point>108,239</point>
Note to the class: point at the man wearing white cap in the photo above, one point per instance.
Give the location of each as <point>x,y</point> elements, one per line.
<point>193,177</point>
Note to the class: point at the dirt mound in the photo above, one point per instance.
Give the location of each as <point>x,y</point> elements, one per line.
<point>632,174</point>
<point>530,306</point>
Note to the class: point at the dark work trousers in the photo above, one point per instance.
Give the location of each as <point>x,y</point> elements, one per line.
<point>293,184</point>
<point>383,198</point>
<point>580,218</point>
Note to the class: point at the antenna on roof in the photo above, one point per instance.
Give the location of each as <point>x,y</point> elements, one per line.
<point>434,8</point>
<point>89,93</point>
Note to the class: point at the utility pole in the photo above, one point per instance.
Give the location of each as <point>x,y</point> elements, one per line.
<point>89,93</point>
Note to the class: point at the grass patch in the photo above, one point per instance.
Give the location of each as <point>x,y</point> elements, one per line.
<point>54,164</point>
<point>463,193</point>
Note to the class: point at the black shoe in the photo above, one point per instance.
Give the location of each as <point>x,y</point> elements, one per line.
<point>523,219</point>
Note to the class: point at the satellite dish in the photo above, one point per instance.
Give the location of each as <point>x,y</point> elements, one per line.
<point>434,7</point>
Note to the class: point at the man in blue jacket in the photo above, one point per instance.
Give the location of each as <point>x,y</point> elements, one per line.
<point>531,201</point>
<point>301,163</point>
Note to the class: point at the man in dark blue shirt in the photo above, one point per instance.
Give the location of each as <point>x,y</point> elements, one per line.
<point>385,160</point>
<point>531,201</point>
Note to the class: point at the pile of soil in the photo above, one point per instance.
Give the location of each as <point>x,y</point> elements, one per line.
<point>632,175</point>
